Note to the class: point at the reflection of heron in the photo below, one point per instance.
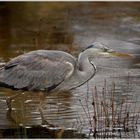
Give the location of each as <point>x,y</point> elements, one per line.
<point>48,70</point>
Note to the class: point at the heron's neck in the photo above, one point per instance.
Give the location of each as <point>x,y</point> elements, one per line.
<point>86,70</point>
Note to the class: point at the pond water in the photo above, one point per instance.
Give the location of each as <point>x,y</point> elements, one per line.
<point>71,27</point>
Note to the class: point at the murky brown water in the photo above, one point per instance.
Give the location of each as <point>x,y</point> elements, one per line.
<point>71,27</point>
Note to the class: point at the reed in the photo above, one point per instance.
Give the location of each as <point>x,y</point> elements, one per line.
<point>112,119</point>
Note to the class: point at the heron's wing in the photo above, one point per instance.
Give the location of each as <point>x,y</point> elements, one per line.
<point>36,72</point>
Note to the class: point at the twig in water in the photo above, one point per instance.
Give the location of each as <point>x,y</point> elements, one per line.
<point>85,111</point>
<point>112,105</point>
<point>95,113</point>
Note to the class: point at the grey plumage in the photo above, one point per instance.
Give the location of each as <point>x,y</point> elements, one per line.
<point>37,70</point>
<point>50,69</point>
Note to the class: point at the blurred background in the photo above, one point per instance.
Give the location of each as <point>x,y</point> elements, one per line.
<point>26,26</point>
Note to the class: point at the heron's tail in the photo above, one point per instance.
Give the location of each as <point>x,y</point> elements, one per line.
<point>1,68</point>
<point>2,64</point>
<point>1,74</point>
<point>2,84</point>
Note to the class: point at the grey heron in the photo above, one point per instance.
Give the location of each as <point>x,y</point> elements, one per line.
<point>49,70</point>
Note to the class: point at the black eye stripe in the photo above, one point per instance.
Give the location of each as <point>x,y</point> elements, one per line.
<point>91,46</point>
<point>102,47</point>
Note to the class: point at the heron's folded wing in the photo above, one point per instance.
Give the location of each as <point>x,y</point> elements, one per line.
<point>36,72</point>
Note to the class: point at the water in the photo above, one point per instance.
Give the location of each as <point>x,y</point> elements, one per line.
<point>71,27</point>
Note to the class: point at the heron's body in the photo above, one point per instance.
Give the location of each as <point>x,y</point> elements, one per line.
<point>52,70</point>
<point>46,70</point>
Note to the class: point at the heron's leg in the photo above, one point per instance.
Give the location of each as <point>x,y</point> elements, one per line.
<point>44,121</point>
<point>42,96</point>
<point>9,116</point>
<point>41,101</point>
<point>9,100</point>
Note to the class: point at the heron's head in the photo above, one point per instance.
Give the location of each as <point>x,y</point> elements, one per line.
<point>99,49</point>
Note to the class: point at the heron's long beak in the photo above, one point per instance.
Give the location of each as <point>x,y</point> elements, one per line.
<point>123,55</point>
